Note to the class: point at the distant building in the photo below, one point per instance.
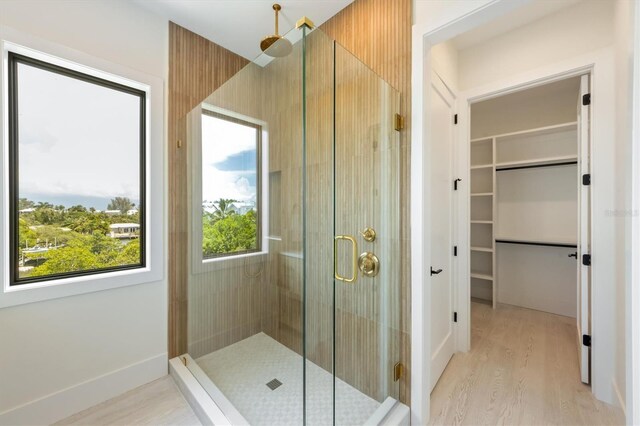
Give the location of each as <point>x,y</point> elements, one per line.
<point>132,212</point>
<point>30,210</point>
<point>242,207</point>
<point>125,230</point>
<point>113,212</point>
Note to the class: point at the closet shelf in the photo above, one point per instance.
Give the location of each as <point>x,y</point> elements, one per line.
<point>479,140</point>
<point>483,222</point>
<point>482,166</point>
<point>573,125</point>
<point>567,244</point>
<point>549,161</point>
<point>481,276</point>
<point>482,194</point>
<point>483,249</point>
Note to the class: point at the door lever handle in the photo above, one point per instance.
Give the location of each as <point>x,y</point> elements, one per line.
<point>436,272</point>
<point>574,255</point>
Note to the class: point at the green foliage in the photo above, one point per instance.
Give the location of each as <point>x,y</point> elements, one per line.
<point>67,259</point>
<point>23,203</point>
<point>121,203</point>
<point>230,234</point>
<point>48,215</point>
<point>223,208</point>
<point>26,235</point>
<point>90,224</point>
<point>78,239</point>
<point>130,255</point>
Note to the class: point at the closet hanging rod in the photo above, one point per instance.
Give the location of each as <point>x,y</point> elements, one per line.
<point>535,166</point>
<point>537,243</point>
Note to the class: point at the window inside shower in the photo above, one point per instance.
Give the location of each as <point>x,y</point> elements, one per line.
<point>230,182</point>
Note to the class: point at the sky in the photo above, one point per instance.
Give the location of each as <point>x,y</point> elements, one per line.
<point>78,142</point>
<point>228,160</point>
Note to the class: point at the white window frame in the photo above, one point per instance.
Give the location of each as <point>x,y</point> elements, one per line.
<point>199,263</point>
<point>153,271</point>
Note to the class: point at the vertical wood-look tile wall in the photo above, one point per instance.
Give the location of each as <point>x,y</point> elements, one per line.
<point>196,68</point>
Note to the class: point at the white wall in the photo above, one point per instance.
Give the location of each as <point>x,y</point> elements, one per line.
<point>445,62</point>
<point>548,40</point>
<point>623,214</point>
<point>633,244</point>
<point>432,14</point>
<point>59,356</point>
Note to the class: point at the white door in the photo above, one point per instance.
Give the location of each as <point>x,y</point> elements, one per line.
<point>442,336</point>
<point>584,224</point>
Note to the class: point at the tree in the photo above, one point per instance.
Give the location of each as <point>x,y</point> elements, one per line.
<point>77,209</point>
<point>48,216</point>
<point>90,224</point>
<point>26,237</point>
<point>44,205</point>
<point>223,208</point>
<point>233,233</point>
<point>123,204</point>
<point>66,259</point>
<point>52,234</point>
<point>24,203</point>
<point>130,255</point>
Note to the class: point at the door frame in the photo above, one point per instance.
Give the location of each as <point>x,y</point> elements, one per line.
<point>601,65</point>
<point>463,151</point>
<point>632,294</point>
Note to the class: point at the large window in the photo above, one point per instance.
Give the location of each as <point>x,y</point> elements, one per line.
<point>231,205</point>
<point>76,167</point>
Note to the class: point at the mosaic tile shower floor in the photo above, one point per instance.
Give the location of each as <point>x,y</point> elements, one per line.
<point>242,370</point>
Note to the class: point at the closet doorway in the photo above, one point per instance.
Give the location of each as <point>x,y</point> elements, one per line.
<point>529,204</point>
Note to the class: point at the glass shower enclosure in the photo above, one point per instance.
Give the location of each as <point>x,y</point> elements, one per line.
<point>294,282</point>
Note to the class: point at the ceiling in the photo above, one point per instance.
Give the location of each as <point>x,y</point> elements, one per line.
<point>523,15</point>
<point>239,25</point>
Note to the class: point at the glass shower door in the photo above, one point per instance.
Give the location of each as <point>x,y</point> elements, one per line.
<point>367,237</point>
<point>352,237</point>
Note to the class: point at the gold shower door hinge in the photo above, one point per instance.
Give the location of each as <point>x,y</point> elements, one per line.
<point>398,371</point>
<point>398,122</point>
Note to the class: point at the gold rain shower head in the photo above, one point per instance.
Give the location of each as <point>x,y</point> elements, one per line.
<point>275,45</point>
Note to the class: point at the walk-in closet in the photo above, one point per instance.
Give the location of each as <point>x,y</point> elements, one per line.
<point>525,198</point>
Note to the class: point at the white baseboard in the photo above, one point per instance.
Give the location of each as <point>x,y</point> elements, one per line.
<point>616,391</point>
<point>64,403</point>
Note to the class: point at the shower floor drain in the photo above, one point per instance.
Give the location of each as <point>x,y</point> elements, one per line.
<point>274,384</point>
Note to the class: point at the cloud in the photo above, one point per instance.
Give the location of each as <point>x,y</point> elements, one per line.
<point>76,137</point>
<point>229,160</point>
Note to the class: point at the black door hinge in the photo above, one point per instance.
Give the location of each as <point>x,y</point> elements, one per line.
<point>455,250</point>
<point>455,184</point>
<point>586,99</point>
<point>455,317</point>
<point>455,118</point>
<point>586,179</point>
<point>586,259</point>
<point>586,340</point>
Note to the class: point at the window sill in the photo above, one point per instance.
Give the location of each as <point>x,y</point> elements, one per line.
<point>220,263</point>
<point>65,287</point>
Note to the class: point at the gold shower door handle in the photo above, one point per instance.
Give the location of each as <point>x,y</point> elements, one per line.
<point>354,260</point>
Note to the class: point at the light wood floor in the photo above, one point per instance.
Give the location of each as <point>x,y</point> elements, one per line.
<point>522,370</point>
<point>157,403</point>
